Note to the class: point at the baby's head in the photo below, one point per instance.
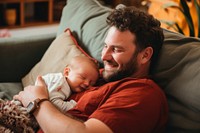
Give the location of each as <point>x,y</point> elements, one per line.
<point>81,73</point>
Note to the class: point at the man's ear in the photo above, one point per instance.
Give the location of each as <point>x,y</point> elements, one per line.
<point>66,71</point>
<point>146,55</point>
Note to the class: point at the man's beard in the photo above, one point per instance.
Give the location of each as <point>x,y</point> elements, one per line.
<point>126,71</point>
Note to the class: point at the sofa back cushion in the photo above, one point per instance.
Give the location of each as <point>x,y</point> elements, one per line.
<point>86,19</point>
<point>178,71</point>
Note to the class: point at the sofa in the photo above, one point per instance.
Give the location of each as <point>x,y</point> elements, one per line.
<point>82,30</point>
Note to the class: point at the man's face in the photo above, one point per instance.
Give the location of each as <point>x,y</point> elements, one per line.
<point>119,55</point>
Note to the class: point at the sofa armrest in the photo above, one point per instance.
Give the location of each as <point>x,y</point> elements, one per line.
<point>19,55</point>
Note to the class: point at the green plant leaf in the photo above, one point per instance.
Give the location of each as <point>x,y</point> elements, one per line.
<point>179,29</point>
<point>186,13</point>
<point>173,25</point>
<point>168,22</point>
<point>184,9</point>
<point>197,6</point>
<point>170,4</point>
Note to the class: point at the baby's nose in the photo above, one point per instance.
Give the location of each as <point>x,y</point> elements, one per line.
<point>87,83</point>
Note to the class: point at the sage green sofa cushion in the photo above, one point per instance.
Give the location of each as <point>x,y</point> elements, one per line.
<point>178,71</point>
<point>8,90</point>
<point>86,19</point>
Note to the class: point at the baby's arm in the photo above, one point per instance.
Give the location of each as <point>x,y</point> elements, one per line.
<point>59,91</point>
<point>62,105</point>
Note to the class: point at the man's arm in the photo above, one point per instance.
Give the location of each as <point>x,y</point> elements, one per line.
<point>52,120</point>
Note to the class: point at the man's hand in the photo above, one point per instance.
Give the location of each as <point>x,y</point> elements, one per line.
<point>31,92</point>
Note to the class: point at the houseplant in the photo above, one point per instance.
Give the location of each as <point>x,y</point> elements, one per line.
<point>182,16</point>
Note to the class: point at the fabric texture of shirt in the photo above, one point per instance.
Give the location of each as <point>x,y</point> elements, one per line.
<point>125,106</point>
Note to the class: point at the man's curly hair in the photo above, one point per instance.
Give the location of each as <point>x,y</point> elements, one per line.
<point>144,26</point>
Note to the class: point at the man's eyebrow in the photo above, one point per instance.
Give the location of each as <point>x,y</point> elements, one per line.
<point>118,46</point>
<point>114,45</point>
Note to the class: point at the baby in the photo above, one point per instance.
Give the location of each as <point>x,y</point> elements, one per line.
<point>78,75</point>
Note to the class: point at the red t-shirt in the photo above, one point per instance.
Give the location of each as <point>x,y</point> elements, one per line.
<point>126,106</point>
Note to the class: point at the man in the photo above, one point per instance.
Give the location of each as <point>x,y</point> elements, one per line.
<point>128,101</point>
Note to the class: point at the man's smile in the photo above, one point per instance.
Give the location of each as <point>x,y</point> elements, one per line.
<point>108,65</point>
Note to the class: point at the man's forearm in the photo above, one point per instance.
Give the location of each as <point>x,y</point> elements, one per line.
<point>52,120</point>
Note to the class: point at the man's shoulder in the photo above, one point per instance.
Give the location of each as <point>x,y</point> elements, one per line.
<point>140,81</point>
<point>144,87</point>
<point>133,85</point>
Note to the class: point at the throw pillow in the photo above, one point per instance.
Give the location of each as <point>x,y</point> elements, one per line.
<point>57,56</point>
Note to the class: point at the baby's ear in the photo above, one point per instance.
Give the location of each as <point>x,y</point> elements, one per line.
<point>66,71</point>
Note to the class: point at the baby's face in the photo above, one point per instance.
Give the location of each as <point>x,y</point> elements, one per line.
<point>81,78</point>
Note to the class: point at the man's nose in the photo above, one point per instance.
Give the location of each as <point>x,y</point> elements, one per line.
<point>106,55</point>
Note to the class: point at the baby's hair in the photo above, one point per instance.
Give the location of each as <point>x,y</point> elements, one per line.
<point>80,58</point>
